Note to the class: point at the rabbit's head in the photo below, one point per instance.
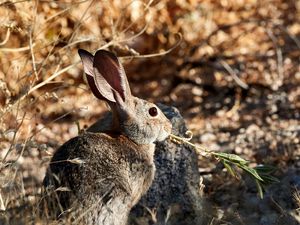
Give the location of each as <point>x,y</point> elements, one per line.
<point>139,120</point>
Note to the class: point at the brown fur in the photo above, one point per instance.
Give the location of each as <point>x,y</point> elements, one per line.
<point>114,170</point>
<point>96,178</point>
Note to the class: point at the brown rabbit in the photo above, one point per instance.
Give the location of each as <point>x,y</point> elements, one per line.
<point>96,178</point>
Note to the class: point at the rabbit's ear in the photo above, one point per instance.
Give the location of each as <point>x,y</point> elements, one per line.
<point>87,61</point>
<point>108,67</point>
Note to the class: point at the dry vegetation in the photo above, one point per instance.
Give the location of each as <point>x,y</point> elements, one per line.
<point>233,72</point>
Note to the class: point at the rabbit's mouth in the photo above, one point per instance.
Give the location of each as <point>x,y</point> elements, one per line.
<point>163,137</point>
<point>146,134</point>
<point>164,132</point>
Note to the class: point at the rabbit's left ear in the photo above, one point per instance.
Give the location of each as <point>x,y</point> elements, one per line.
<point>107,65</point>
<point>87,62</point>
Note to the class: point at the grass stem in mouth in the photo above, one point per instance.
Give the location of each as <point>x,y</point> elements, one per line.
<point>261,173</point>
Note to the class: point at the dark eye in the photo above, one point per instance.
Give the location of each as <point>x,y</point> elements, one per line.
<point>153,111</point>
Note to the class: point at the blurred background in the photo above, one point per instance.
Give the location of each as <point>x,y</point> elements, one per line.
<point>230,67</point>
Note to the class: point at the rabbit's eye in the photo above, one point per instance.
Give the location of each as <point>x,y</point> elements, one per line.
<point>153,111</point>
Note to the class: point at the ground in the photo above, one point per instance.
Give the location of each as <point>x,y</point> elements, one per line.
<point>230,67</point>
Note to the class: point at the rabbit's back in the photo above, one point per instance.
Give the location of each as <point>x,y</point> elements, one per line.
<point>105,175</point>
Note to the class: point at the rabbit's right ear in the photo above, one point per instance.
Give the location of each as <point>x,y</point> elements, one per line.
<point>108,67</point>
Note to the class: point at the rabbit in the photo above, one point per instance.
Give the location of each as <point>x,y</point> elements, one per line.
<point>182,200</point>
<point>96,178</point>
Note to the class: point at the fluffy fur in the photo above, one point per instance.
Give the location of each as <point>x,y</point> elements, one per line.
<point>96,178</point>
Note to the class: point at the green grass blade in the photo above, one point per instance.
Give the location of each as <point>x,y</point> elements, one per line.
<point>259,189</point>
<point>230,157</point>
<point>229,168</point>
<point>251,171</point>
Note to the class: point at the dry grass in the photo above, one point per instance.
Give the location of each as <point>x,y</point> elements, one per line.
<point>237,63</point>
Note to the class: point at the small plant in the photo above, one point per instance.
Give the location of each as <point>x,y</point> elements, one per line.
<point>261,173</point>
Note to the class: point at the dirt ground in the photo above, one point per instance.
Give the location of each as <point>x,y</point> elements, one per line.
<point>230,67</point>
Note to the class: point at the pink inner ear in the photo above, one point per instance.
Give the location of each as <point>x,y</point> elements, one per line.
<point>108,66</point>
<point>99,93</point>
<point>102,91</point>
<point>103,86</point>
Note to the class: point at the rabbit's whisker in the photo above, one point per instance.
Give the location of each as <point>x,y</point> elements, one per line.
<point>75,161</point>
